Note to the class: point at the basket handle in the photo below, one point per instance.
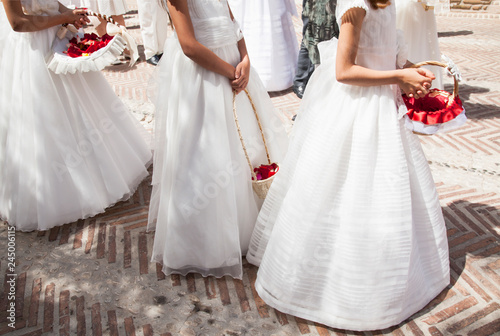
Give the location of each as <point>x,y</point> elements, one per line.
<point>241,137</point>
<point>443,65</point>
<point>104,17</point>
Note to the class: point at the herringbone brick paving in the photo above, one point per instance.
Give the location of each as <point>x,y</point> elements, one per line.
<point>94,277</point>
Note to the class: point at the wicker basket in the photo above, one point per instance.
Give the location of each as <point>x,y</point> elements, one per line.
<point>260,187</point>
<point>445,109</point>
<point>61,63</point>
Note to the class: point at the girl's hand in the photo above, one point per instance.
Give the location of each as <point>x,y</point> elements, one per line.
<point>416,82</point>
<point>76,17</point>
<point>241,75</point>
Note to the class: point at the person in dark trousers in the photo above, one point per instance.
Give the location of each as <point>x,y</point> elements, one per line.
<point>319,24</point>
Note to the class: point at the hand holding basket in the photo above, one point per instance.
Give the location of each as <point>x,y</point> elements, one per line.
<point>62,63</point>
<point>438,111</point>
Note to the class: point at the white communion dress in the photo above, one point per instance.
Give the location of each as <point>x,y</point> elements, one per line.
<point>203,207</point>
<point>417,20</point>
<point>351,234</point>
<point>69,148</point>
<point>270,38</point>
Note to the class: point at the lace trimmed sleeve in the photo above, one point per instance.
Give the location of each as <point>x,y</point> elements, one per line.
<point>344,5</point>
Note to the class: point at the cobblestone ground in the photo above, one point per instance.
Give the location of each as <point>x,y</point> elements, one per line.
<point>94,277</point>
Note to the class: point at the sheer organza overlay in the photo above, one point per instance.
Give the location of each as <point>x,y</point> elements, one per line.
<point>68,146</point>
<point>203,207</point>
<point>351,233</point>
<point>420,32</point>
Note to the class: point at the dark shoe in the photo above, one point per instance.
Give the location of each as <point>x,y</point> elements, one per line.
<point>154,60</point>
<point>299,90</point>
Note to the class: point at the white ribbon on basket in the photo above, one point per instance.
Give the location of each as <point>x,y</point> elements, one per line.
<point>113,30</point>
<point>452,67</point>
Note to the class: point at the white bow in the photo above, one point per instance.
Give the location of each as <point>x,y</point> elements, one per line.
<point>452,68</point>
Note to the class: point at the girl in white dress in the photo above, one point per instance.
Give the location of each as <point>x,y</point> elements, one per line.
<point>417,20</point>
<point>351,233</point>
<point>270,38</point>
<point>68,146</point>
<point>202,206</point>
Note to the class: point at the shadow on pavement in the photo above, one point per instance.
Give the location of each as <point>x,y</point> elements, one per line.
<point>475,110</point>
<point>455,33</point>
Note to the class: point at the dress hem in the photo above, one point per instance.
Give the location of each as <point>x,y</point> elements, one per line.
<point>124,197</point>
<point>195,270</point>
<point>268,299</point>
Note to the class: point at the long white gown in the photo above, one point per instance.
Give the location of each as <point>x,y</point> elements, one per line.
<point>69,148</point>
<point>270,38</point>
<point>351,233</point>
<point>202,206</point>
<point>420,31</point>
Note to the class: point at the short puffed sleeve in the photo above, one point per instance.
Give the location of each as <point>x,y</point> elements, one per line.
<point>344,5</point>
<point>237,30</point>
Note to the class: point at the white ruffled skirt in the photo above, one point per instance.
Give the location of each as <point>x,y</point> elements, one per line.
<point>351,234</point>
<point>69,148</point>
<point>203,207</point>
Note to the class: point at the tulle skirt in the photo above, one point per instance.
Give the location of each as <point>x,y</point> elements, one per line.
<point>351,233</point>
<point>203,207</point>
<point>270,38</point>
<point>68,146</point>
<point>420,32</point>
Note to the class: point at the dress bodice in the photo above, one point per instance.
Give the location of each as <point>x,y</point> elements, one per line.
<point>378,44</point>
<point>212,23</point>
<point>40,7</point>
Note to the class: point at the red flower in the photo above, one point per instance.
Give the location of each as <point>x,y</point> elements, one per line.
<point>92,46</point>
<point>106,38</point>
<point>85,46</point>
<point>74,52</point>
<point>90,37</point>
<point>434,108</point>
<point>265,171</point>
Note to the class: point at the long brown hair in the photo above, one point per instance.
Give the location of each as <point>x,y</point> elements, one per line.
<point>376,4</point>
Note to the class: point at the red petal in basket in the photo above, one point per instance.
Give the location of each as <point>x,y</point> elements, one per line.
<point>87,45</point>
<point>434,108</point>
<point>74,52</point>
<point>265,171</point>
<point>106,38</point>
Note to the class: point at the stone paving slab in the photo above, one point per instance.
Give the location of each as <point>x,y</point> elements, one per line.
<point>94,277</point>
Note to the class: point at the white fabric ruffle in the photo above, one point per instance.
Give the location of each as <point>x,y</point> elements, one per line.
<point>61,63</point>
<point>421,128</point>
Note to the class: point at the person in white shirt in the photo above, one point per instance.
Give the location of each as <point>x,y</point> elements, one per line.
<point>154,23</point>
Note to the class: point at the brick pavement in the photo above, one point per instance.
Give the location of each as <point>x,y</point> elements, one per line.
<point>93,277</point>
